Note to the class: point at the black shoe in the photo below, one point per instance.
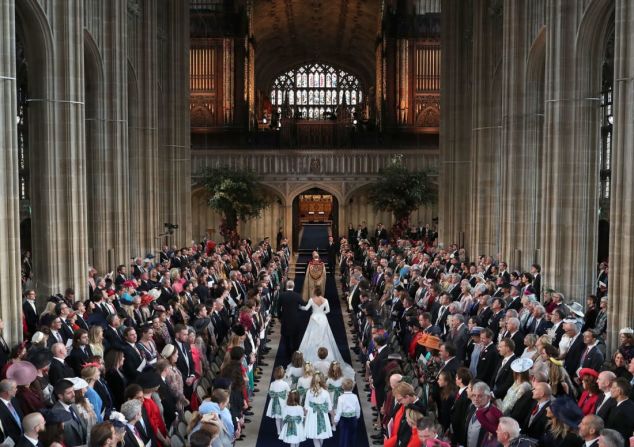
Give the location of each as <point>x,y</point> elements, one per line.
<point>248,413</point>
<point>247,420</point>
<point>377,442</point>
<point>379,436</point>
<point>256,390</point>
<point>264,364</point>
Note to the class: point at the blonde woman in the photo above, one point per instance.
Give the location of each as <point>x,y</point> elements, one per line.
<point>91,374</point>
<point>173,377</point>
<point>318,407</point>
<point>95,337</point>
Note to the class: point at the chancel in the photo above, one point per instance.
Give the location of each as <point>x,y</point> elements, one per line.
<point>326,222</point>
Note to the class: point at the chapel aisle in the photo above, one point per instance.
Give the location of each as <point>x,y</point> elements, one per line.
<point>314,236</point>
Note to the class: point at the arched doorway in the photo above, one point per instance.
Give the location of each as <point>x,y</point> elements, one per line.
<point>315,206</point>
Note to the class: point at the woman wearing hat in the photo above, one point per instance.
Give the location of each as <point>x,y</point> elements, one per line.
<point>24,374</point>
<point>53,435</point>
<point>564,417</point>
<point>429,369</point>
<point>173,376</point>
<point>557,376</point>
<point>590,395</point>
<point>520,385</point>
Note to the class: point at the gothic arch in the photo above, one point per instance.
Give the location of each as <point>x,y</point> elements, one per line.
<point>301,187</point>
<point>590,44</point>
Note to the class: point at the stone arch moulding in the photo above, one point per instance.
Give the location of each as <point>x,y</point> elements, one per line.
<point>38,42</point>
<point>357,189</point>
<point>301,187</point>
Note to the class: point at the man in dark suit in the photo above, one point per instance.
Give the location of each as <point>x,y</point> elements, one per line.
<point>29,310</point>
<point>503,378</point>
<point>497,307</point>
<point>75,431</point>
<point>592,357</point>
<point>590,428</point>
<point>185,362</point>
<point>481,412</point>
<point>10,413</point>
<point>535,425</point>
<point>289,302</point>
<point>134,362</point>
<point>448,356</point>
<point>514,333</point>
<point>443,312</point>
<point>461,407</point>
<point>577,347</point>
<point>111,335</point>
<point>132,411</point>
<point>33,424</point>
<point>458,335</point>
<point>333,250</point>
<point>377,368</point>
<point>605,402</point>
<point>59,369</point>
<point>620,417</point>
<point>81,351</point>
<point>488,359</point>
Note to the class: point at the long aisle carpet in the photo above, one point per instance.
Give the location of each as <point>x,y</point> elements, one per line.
<point>314,236</point>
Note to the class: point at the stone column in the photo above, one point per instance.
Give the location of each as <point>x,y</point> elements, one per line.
<point>455,124</point>
<point>144,157</point>
<point>58,165</point>
<point>621,274</point>
<point>522,125</point>
<point>175,154</point>
<point>116,88</point>
<point>486,152</point>
<point>10,286</point>
<point>569,185</point>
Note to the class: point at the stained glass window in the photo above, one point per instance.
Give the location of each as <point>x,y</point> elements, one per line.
<point>309,88</point>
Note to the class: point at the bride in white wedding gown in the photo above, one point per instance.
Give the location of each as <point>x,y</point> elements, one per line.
<point>318,334</point>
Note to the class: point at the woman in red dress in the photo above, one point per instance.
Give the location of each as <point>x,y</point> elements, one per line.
<point>590,395</point>
<point>150,382</point>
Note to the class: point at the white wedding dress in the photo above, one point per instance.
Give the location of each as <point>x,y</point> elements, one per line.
<point>318,334</point>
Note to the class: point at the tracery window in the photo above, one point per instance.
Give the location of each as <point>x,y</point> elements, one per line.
<point>315,91</point>
<point>607,121</point>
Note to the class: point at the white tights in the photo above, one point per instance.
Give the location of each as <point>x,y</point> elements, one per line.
<point>318,442</point>
<point>278,424</point>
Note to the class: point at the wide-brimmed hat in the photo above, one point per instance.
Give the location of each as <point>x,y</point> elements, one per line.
<point>55,416</point>
<point>78,383</point>
<point>430,342</point>
<point>521,365</point>
<point>588,372</point>
<point>576,308</point>
<point>22,372</point>
<point>567,411</point>
<point>149,379</point>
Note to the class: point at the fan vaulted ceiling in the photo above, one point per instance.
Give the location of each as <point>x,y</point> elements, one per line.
<point>338,32</point>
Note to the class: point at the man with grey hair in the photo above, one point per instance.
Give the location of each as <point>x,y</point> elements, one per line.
<point>514,333</point>
<point>589,429</point>
<point>289,302</point>
<point>10,414</point>
<point>483,417</point>
<point>536,424</point>
<point>611,438</point>
<point>508,433</point>
<point>131,410</point>
<point>458,335</point>
<point>605,402</point>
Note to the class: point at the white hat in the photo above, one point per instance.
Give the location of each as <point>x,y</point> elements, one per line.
<point>521,365</point>
<point>576,308</point>
<point>626,330</point>
<point>78,383</point>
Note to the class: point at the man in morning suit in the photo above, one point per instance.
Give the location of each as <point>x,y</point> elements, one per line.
<point>29,311</point>
<point>590,428</point>
<point>460,407</point>
<point>377,368</point>
<point>503,378</point>
<point>75,431</point>
<point>620,417</point>
<point>289,302</point>
<point>488,360</point>
<point>185,362</point>
<point>33,424</point>
<point>10,414</point>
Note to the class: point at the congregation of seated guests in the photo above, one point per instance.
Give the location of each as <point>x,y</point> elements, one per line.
<point>167,350</point>
<point>460,350</point>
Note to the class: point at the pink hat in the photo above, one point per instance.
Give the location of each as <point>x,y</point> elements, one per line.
<point>24,373</point>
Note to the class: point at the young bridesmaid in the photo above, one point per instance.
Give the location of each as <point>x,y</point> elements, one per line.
<point>278,393</point>
<point>293,423</point>
<point>318,407</point>
<point>303,384</point>
<point>347,414</point>
<point>335,377</point>
<point>296,369</point>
